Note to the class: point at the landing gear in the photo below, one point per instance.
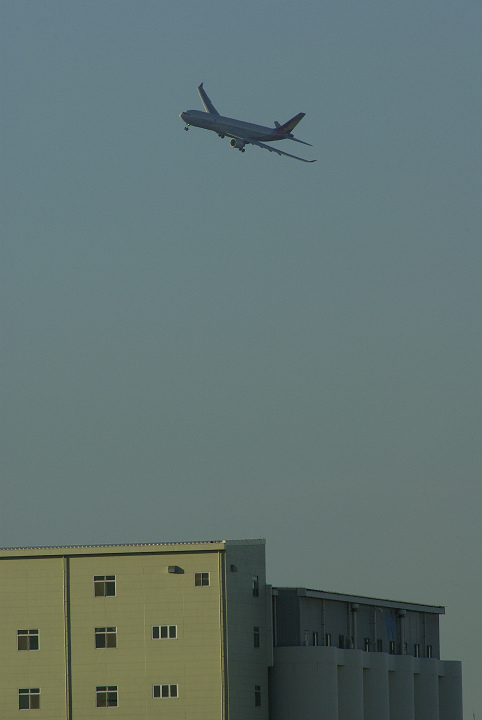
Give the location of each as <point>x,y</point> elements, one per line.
<point>220,135</point>
<point>186,128</point>
<point>242,150</point>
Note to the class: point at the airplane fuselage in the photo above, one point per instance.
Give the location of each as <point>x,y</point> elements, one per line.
<point>230,127</point>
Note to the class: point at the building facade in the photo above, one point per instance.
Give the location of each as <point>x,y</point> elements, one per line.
<point>191,631</point>
<point>140,631</point>
<point>347,657</point>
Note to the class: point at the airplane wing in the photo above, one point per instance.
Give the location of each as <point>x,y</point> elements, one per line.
<point>303,142</point>
<point>273,149</point>
<point>208,106</point>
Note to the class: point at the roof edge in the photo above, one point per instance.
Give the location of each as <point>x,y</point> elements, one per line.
<point>364,600</point>
<point>183,546</point>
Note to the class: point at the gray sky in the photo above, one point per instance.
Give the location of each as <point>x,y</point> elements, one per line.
<point>204,344</point>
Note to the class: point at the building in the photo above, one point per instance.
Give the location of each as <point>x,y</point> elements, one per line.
<point>346,657</point>
<point>192,631</point>
<point>148,631</point>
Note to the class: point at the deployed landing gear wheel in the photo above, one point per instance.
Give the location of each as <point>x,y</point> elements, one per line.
<point>186,128</point>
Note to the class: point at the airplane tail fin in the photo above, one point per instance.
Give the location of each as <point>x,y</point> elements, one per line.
<point>287,127</point>
<point>209,107</point>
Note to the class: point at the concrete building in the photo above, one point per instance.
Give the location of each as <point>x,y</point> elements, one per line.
<point>346,657</point>
<point>192,631</point>
<point>139,631</point>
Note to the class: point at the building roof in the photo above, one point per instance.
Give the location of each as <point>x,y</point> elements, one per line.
<point>362,600</point>
<point>126,548</point>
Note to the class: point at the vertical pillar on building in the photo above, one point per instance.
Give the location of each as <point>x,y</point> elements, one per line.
<point>401,621</point>
<point>354,612</point>
<point>376,699</point>
<point>450,690</point>
<point>374,628</point>
<point>323,623</point>
<point>401,687</point>
<point>68,636</point>
<point>426,690</point>
<point>328,679</point>
<point>349,628</point>
<point>350,685</point>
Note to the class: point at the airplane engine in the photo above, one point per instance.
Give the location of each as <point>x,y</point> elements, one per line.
<point>235,143</point>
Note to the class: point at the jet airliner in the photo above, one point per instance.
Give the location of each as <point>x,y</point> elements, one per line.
<point>241,133</point>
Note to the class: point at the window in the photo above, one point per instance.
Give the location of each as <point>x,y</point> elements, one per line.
<point>392,647</point>
<point>106,637</point>
<point>429,651</point>
<point>29,699</point>
<point>416,650</point>
<point>341,641</point>
<point>201,579</point>
<point>328,639</point>
<point>315,639</point>
<point>104,585</point>
<point>367,644</point>
<point>257,696</point>
<point>256,637</point>
<point>379,645</point>
<point>165,691</point>
<point>27,639</point>
<point>255,586</point>
<point>163,632</point>
<point>307,637</point>
<point>106,696</point>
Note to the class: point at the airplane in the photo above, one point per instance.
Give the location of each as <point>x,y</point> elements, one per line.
<point>241,133</point>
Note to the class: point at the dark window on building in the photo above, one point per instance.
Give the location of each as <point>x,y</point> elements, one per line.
<point>255,586</point>
<point>256,636</point>
<point>165,691</point>
<point>163,632</point>
<point>27,639</point>
<point>341,641</point>
<point>104,585</point>
<point>257,695</point>
<point>367,644</point>
<point>106,696</point>
<point>201,579</point>
<point>416,650</point>
<point>429,651</point>
<point>315,639</point>
<point>29,699</point>
<point>328,639</point>
<point>391,647</point>
<point>379,645</point>
<point>106,637</point>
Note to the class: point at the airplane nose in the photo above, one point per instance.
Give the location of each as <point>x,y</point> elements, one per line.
<point>184,116</point>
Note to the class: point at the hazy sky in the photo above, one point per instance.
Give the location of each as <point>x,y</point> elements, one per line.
<point>203,344</point>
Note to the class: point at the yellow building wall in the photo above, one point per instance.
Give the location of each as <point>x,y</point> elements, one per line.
<point>211,659</point>
<point>146,595</point>
<point>32,597</point>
